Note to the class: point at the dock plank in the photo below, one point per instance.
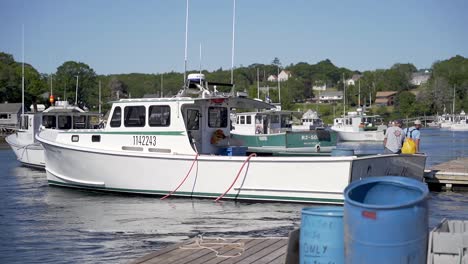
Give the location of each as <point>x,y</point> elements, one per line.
<point>256,250</point>
<point>202,256</point>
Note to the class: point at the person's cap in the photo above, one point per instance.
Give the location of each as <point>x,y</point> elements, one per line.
<point>398,121</point>
<point>417,122</point>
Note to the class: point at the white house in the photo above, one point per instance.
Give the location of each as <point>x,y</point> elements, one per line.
<point>332,96</point>
<point>319,86</point>
<point>272,78</point>
<point>420,77</point>
<point>284,75</point>
<point>353,80</point>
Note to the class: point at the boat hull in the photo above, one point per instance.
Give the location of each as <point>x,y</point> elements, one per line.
<point>361,135</point>
<point>311,141</point>
<point>284,179</point>
<point>29,154</point>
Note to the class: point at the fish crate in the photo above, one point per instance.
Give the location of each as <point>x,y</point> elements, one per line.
<point>448,243</point>
<point>233,151</point>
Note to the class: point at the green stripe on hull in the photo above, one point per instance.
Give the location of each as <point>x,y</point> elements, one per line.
<point>160,133</point>
<point>206,195</point>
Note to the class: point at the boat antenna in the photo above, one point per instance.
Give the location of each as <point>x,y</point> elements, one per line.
<point>99,96</point>
<point>200,57</point>
<point>22,76</point>
<point>344,97</point>
<point>186,36</point>
<point>233,41</point>
<point>76,91</point>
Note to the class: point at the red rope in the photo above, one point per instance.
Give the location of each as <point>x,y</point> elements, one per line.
<point>186,176</point>
<point>238,174</point>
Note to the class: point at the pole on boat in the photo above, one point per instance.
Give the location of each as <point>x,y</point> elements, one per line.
<point>258,83</point>
<point>279,87</point>
<point>233,41</point>
<point>344,97</point>
<point>76,91</point>
<point>22,77</point>
<point>162,85</point>
<point>186,37</point>
<point>99,96</point>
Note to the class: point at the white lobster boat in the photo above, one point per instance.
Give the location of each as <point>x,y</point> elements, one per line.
<point>158,146</point>
<point>357,126</point>
<point>60,116</point>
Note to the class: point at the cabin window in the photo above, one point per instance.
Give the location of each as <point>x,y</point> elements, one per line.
<point>193,118</point>
<point>285,121</point>
<point>49,121</point>
<point>274,119</point>
<point>242,120</point>
<point>159,116</point>
<point>5,116</point>
<point>258,120</point>
<point>217,117</point>
<point>75,138</point>
<point>134,116</point>
<point>116,117</point>
<point>79,122</point>
<point>248,121</point>
<point>96,138</point>
<point>64,122</point>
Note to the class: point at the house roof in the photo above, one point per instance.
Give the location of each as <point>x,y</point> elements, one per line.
<point>285,71</point>
<point>10,107</point>
<point>381,100</point>
<point>385,93</point>
<point>331,93</point>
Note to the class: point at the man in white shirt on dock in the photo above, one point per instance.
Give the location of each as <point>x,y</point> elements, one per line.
<point>394,137</point>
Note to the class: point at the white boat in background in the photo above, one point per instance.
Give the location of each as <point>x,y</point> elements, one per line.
<point>461,123</point>
<point>445,121</point>
<point>357,126</point>
<point>60,116</point>
<point>150,146</point>
<point>310,121</point>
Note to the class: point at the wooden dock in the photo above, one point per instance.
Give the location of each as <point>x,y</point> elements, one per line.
<point>449,175</point>
<point>225,251</point>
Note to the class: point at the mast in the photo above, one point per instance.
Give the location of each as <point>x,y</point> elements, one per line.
<point>344,97</point>
<point>359,94</point>
<point>233,42</point>
<point>22,77</point>
<point>453,104</point>
<point>162,85</point>
<point>258,83</point>
<point>99,96</point>
<point>279,87</point>
<point>186,37</point>
<point>76,91</point>
<point>200,57</point>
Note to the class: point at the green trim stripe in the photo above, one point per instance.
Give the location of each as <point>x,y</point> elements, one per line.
<point>160,133</point>
<point>204,195</point>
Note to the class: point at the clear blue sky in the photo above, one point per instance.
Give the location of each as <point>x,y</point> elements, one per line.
<point>124,36</point>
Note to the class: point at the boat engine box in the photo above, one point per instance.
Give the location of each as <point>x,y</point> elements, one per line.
<point>233,151</point>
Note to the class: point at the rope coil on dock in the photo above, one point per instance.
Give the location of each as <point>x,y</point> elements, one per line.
<point>216,247</point>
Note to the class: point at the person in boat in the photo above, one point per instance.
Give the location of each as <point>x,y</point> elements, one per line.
<point>414,133</point>
<point>394,137</point>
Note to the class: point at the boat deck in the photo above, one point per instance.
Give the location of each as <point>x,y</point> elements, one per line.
<point>212,250</point>
<point>449,175</point>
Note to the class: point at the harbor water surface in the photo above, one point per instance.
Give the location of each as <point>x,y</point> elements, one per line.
<point>43,224</point>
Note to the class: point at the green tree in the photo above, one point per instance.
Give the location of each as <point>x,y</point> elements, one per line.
<point>67,76</point>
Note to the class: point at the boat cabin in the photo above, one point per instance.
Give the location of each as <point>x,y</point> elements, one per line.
<point>181,125</point>
<point>266,122</point>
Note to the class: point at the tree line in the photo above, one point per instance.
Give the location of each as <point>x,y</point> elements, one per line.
<point>448,82</point>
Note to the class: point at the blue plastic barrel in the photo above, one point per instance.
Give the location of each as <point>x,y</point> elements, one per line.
<point>321,235</point>
<point>386,220</point>
<point>342,152</point>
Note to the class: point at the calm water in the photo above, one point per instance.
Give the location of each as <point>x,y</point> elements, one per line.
<point>42,224</point>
